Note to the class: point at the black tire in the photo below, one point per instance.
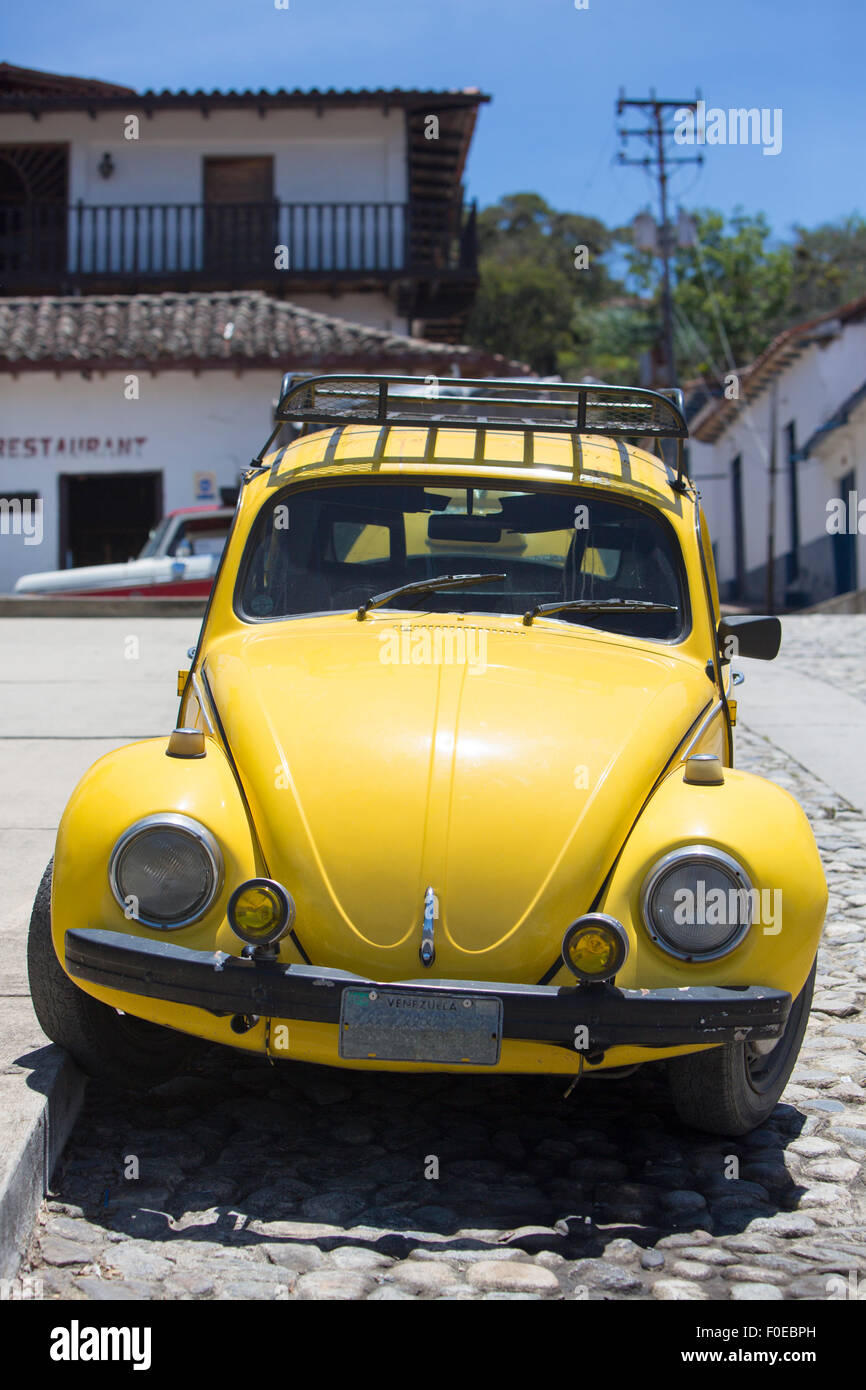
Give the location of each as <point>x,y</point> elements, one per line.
<point>127,1051</point>
<point>733,1089</point>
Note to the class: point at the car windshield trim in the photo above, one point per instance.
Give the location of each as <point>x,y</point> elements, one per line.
<point>154,540</point>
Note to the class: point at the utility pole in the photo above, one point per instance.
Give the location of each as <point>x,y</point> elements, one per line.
<point>769,585</point>
<point>659,160</point>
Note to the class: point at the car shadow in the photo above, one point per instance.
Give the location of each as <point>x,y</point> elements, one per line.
<point>239,1153</point>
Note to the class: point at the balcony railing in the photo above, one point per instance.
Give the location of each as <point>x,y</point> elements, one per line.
<point>216,241</point>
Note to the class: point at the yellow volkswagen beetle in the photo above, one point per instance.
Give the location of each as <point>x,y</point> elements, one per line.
<point>452,786</point>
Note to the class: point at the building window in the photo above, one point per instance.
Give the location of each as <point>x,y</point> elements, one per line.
<point>739,527</point>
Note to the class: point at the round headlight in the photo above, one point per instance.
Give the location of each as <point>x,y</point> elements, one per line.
<point>165,871</point>
<point>261,911</point>
<point>595,947</point>
<point>697,903</point>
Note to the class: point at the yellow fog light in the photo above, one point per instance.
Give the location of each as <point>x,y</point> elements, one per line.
<point>595,947</point>
<point>260,911</point>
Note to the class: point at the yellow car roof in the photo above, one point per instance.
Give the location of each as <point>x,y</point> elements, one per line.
<point>520,456</point>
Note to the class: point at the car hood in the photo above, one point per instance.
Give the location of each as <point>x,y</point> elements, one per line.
<point>502,765</point>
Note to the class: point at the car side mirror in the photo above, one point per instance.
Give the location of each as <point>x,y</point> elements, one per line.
<point>745,635</point>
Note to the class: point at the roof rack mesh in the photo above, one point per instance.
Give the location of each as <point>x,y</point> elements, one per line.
<point>493,404</point>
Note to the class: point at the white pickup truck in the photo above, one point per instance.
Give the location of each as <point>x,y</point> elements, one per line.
<point>180,558</point>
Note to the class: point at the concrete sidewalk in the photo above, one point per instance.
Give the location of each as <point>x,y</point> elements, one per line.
<point>811,701</point>
<point>70,690</point>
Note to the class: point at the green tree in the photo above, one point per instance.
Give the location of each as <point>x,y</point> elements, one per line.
<point>829,267</point>
<point>732,292</point>
<point>536,265</point>
<point>523,311</point>
<point>608,341</point>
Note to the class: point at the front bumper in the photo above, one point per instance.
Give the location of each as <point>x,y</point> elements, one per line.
<point>226,985</point>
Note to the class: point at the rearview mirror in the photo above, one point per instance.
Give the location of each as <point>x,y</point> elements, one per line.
<point>457,527</point>
<point>746,635</point>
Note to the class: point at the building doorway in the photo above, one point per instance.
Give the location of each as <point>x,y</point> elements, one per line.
<point>240,214</point>
<point>105,517</point>
<point>845,545</point>
<point>33,197</point>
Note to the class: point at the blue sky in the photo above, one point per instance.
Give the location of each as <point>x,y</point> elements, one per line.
<point>553,71</point>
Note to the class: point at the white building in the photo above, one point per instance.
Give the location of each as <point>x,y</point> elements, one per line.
<point>116,409</point>
<point>351,197</point>
<point>781,467</point>
<point>165,257</point>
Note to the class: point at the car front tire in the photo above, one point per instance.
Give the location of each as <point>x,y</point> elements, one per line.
<point>732,1089</point>
<point>114,1047</point>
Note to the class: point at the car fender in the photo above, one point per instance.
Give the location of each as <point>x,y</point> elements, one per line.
<point>762,827</point>
<point>123,787</point>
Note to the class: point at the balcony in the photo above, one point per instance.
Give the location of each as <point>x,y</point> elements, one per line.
<point>49,247</point>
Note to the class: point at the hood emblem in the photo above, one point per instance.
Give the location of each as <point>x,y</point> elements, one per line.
<point>427,951</point>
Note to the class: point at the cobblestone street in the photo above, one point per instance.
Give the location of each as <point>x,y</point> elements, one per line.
<point>433,679</point>
<point>296,1182</point>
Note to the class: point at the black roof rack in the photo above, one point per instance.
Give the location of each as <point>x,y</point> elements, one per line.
<point>491,404</point>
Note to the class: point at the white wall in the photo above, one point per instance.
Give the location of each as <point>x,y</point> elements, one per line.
<point>375,310</point>
<point>180,424</point>
<point>808,392</point>
<point>344,155</point>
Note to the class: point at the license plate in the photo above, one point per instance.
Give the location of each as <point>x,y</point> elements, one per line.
<point>389,1025</point>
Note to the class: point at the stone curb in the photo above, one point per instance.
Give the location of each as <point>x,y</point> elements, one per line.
<point>54,606</point>
<point>39,1108</point>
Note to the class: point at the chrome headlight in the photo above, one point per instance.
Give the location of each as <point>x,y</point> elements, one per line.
<point>165,871</point>
<point>697,903</point>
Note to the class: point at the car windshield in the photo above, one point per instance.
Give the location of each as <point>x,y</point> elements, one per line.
<point>331,548</point>
<point>199,536</point>
<point>154,540</point>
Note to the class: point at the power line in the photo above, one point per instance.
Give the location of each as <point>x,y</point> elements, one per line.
<point>659,160</point>
<point>688,330</point>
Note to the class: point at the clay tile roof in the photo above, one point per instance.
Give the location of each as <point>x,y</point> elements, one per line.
<point>26,84</point>
<point>30,89</point>
<point>714,417</point>
<point>220,329</point>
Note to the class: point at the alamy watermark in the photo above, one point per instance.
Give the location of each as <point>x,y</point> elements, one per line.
<point>714,907</point>
<point>77,1343</point>
<point>408,645</point>
<point>846,517</point>
<point>837,1287</point>
<point>736,126</point>
<point>23,1287</point>
<point>22,516</point>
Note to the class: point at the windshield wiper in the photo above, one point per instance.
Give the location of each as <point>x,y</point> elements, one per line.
<point>591,605</point>
<point>425,586</point>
